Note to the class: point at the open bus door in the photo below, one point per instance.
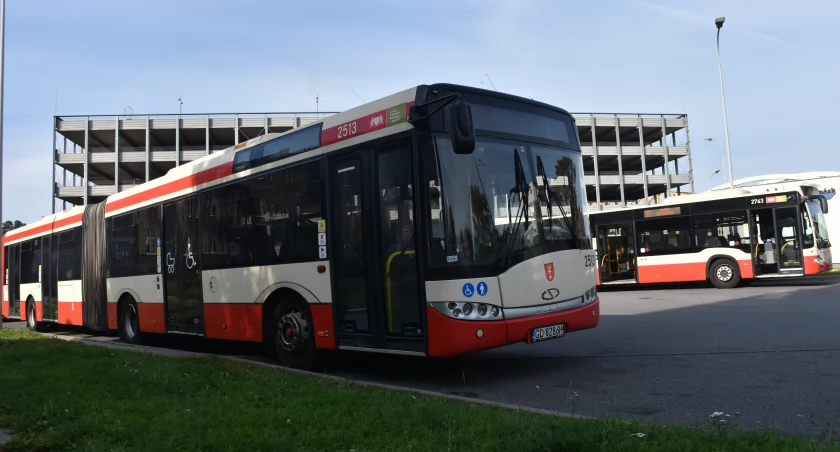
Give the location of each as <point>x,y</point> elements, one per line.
<point>617,253</point>
<point>776,249</point>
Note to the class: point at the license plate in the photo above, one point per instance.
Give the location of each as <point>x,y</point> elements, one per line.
<point>547,332</point>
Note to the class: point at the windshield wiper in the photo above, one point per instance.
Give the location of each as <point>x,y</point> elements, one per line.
<point>548,196</point>
<point>520,186</point>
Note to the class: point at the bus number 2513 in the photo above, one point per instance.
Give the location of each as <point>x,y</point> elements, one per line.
<point>589,261</point>
<point>345,130</point>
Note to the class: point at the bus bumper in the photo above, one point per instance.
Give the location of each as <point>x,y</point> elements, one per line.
<point>451,337</point>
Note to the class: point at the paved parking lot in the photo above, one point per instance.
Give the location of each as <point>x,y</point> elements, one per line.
<point>770,352</point>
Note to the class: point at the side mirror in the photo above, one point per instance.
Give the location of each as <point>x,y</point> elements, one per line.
<point>459,124</point>
<point>822,200</point>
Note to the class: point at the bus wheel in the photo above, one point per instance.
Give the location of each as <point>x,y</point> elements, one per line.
<point>724,274</point>
<point>292,334</point>
<point>31,320</point>
<point>128,323</point>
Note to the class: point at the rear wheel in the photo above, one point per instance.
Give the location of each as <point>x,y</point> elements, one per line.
<point>724,274</point>
<point>31,320</point>
<point>128,323</point>
<point>292,334</point>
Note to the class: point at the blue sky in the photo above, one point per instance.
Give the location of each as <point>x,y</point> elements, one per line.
<point>780,59</point>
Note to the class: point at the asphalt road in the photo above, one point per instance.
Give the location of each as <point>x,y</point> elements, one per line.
<point>770,352</point>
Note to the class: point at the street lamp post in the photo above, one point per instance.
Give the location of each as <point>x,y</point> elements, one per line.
<point>713,175</point>
<point>722,157</point>
<point>719,24</point>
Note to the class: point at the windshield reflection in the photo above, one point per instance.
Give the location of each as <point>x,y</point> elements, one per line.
<point>481,214</point>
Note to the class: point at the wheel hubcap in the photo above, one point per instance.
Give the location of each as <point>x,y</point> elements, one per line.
<point>293,332</point>
<point>724,273</point>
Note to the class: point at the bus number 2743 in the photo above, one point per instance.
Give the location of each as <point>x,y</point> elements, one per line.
<point>757,201</point>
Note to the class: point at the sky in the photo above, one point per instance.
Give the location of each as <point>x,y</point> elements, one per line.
<point>781,65</point>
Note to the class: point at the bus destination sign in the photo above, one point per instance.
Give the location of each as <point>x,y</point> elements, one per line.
<point>662,212</point>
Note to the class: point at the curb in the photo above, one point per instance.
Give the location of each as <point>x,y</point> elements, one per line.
<point>185,354</point>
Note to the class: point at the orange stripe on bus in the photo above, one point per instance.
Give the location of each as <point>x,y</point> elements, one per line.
<point>152,317</point>
<point>5,309</point>
<point>227,321</point>
<point>112,316</point>
<point>190,181</point>
<point>70,313</point>
<point>674,273</point>
<point>322,321</point>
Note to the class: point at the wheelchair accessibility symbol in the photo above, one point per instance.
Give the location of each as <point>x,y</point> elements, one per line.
<point>468,290</point>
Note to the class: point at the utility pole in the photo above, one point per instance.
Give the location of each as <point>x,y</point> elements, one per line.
<point>2,48</point>
<point>719,25</point>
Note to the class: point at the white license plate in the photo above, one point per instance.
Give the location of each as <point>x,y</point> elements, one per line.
<point>547,332</point>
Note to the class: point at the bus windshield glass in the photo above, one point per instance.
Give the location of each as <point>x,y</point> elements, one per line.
<point>482,213</point>
<point>821,232</point>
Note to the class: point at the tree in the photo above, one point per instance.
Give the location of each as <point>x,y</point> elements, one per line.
<point>8,225</point>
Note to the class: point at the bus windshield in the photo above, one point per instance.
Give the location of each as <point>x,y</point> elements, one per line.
<point>482,214</point>
<point>821,231</point>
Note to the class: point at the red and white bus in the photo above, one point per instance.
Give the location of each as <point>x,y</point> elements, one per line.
<point>728,237</point>
<point>423,223</point>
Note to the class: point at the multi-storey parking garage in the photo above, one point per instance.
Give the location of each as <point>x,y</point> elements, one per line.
<point>628,158</point>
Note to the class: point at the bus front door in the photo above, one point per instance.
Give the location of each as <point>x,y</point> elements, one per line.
<point>14,280</point>
<point>790,249</point>
<point>774,235</point>
<point>181,269</point>
<point>377,296</point>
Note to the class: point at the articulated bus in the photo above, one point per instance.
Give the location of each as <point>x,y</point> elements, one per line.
<point>437,221</point>
<point>728,237</point>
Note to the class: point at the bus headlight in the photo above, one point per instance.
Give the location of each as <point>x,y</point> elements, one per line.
<point>589,296</point>
<point>468,311</point>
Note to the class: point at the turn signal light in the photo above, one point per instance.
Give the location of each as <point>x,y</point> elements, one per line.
<point>322,268</point>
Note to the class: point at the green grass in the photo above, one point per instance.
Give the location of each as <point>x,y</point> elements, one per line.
<point>56,395</point>
<point>834,272</point>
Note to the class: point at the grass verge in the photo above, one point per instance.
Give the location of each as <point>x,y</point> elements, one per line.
<point>834,272</point>
<point>59,395</point>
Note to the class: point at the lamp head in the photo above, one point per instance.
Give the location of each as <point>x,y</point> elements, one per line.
<point>719,22</point>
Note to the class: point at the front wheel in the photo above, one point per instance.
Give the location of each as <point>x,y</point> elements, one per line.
<point>293,335</point>
<point>724,274</point>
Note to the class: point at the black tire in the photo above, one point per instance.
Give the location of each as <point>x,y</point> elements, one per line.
<point>128,321</point>
<point>31,318</point>
<point>291,335</point>
<point>724,273</point>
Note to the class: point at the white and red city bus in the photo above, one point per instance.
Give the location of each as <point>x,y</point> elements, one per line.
<point>423,223</point>
<point>728,237</point>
